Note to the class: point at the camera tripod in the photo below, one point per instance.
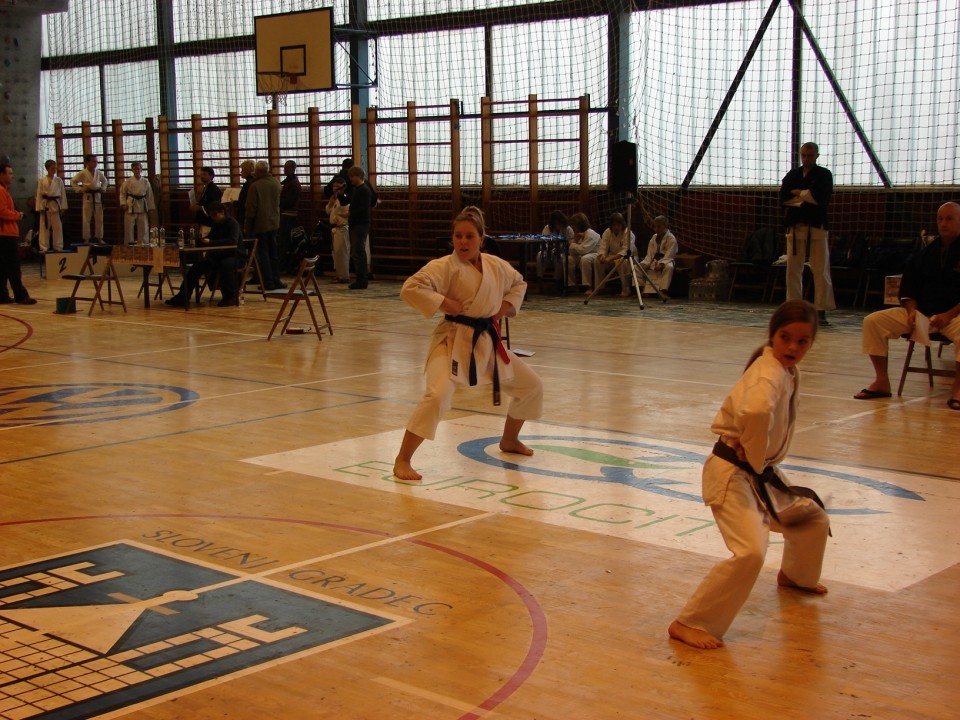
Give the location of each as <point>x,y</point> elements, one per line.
<point>635,266</point>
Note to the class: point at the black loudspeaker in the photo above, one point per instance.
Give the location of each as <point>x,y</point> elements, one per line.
<point>623,167</point>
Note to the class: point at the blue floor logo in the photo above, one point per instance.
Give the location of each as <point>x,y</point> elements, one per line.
<point>649,466</point>
<point>98,630</point>
<point>88,402</point>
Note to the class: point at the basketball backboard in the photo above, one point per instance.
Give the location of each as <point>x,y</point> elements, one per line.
<point>294,51</point>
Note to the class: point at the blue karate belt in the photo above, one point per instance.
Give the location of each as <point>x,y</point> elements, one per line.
<point>767,477</point>
<point>491,328</point>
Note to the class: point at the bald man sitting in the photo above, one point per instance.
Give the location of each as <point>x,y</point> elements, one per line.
<point>930,289</point>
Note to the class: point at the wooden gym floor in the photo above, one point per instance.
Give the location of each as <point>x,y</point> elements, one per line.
<point>197,523</point>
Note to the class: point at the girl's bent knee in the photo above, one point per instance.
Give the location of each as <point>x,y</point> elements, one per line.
<point>751,559</point>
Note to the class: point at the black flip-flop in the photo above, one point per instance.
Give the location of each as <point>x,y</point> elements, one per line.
<point>868,394</point>
<point>953,404</point>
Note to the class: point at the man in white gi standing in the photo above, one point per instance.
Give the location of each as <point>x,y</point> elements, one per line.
<point>92,183</point>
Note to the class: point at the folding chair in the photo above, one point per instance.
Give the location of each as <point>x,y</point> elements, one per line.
<point>162,276</point>
<point>249,274</point>
<point>108,277</point>
<point>301,289</point>
<point>251,271</point>
<point>928,369</point>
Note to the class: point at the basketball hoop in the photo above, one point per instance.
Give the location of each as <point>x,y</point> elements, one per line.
<point>275,86</point>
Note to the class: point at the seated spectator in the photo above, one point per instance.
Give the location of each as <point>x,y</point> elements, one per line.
<point>202,196</point>
<point>584,246</point>
<point>557,225</point>
<point>660,258</point>
<point>221,261</point>
<point>929,293</point>
<point>615,245</point>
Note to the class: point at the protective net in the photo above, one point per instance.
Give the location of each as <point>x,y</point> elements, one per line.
<point>714,95</point>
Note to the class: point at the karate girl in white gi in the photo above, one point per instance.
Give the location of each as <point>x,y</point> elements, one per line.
<point>136,195</point>
<point>474,291</point>
<point>756,423</point>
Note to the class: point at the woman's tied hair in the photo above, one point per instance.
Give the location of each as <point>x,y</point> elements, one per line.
<point>475,215</point>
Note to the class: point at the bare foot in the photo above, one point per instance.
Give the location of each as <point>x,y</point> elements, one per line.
<point>403,470</point>
<point>784,581</point>
<point>514,446</point>
<point>693,637</point>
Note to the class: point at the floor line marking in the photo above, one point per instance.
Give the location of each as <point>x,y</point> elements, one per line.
<point>434,697</point>
<point>175,433</point>
<point>378,543</point>
<point>357,398</point>
<point>871,410</point>
<point>265,574</point>
<point>634,376</point>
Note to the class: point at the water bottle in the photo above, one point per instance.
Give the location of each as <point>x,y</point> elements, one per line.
<point>162,237</point>
<point>152,239</point>
<point>193,237</point>
<point>180,238</point>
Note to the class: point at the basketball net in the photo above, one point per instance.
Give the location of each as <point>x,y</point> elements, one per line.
<point>276,85</point>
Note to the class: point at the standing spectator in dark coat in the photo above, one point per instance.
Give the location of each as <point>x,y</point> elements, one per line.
<point>345,166</point>
<point>361,200</point>
<point>246,172</point>
<point>262,218</point>
<point>289,200</point>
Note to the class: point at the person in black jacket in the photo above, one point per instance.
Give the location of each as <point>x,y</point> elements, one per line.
<point>929,302</point>
<point>361,200</point>
<point>239,207</point>
<point>289,201</point>
<point>221,260</point>
<point>805,193</point>
<point>205,193</point>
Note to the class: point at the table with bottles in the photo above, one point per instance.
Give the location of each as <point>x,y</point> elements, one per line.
<point>157,254</point>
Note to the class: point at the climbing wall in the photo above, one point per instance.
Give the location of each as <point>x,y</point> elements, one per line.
<point>20,33</point>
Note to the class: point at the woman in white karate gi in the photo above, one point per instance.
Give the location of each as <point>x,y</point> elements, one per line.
<point>474,290</point>
<point>755,425</point>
